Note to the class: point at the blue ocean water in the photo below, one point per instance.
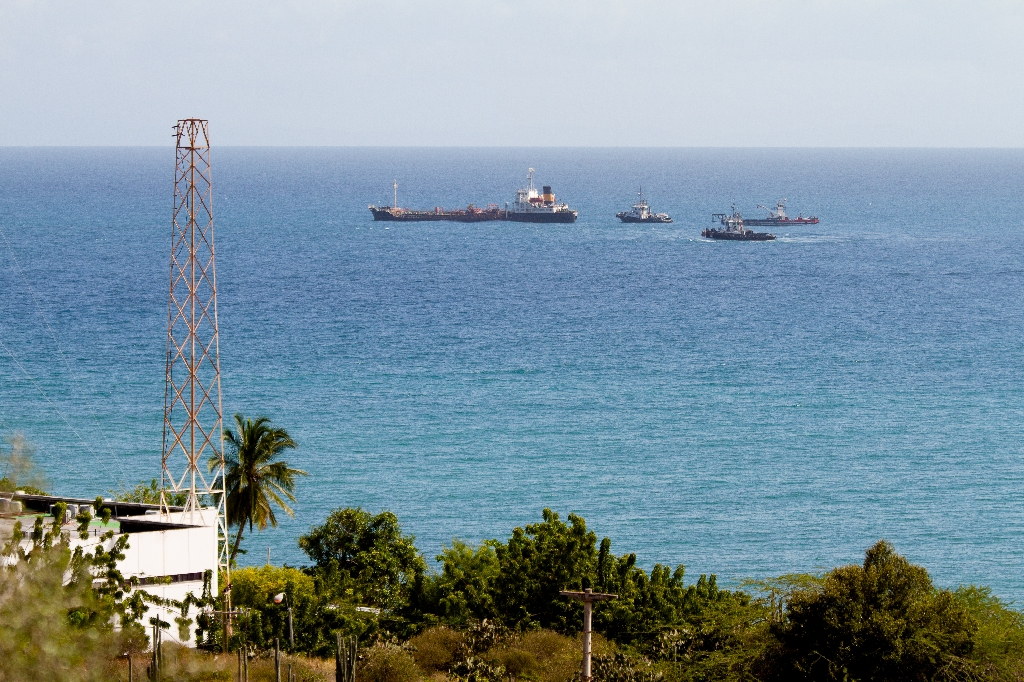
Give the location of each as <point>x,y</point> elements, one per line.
<point>745,409</point>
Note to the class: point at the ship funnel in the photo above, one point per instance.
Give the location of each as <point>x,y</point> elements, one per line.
<point>547,196</point>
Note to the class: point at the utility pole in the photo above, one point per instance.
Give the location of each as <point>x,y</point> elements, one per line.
<point>588,597</point>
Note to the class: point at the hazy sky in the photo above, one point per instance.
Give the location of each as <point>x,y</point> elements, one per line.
<point>496,72</point>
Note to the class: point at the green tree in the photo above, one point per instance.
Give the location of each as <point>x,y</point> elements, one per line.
<point>255,477</point>
<point>536,563</point>
<point>464,589</point>
<point>881,621</point>
<point>364,557</point>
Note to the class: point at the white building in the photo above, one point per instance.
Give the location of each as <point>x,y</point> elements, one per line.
<point>169,553</point>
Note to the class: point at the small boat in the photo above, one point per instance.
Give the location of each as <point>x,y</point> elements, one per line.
<point>641,213</point>
<point>733,229</point>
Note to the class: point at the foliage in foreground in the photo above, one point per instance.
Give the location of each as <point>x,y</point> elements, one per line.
<point>491,613</point>
<point>18,470</point>
<point>57,608</point>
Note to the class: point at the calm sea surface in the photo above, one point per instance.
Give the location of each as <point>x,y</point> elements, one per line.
<point>746,409</point>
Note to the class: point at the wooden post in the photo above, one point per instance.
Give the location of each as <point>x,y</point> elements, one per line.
<point>339,673</point>
<point>239,664</point>
<point>131,673</point>
<point>245,664</point>
<point>277,660</point>
<point>156,652</point>
<point>588,597</point>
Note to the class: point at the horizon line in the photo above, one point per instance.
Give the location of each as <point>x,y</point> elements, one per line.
<point>456,146</point>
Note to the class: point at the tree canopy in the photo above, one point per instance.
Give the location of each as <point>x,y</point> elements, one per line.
<point>256,478</point>
<point>882,620</point>
<point>365,557</point>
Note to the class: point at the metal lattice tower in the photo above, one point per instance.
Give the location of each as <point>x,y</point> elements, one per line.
<point>193,418</point>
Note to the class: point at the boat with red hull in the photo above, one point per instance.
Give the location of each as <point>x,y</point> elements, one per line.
<point>530,206</point>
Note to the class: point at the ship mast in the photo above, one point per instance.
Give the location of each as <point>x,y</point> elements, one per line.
<point>396,192</point>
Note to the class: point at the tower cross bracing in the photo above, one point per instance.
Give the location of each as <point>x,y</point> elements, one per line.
<point>193,415</point>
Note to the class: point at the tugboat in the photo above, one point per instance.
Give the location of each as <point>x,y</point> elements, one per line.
<point>733,229</point>
<point>470,214</point>
<point>532,206</point>
<point>641,213</point>
<point>778,217</point>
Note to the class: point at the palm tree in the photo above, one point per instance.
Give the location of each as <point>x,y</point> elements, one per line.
<point>254,476</point>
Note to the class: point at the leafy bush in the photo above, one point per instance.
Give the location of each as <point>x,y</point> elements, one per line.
<point>57,607</point>
<point>542,655</point>
<point>388,663</point>
<point>621,667</point>
<point>437,648</point>
<point>254,587</point>
<point>998,652</point>
<point>316,618</point>
<point>882,620</point>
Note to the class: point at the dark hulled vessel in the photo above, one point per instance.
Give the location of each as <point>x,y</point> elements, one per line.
<point>778,218</point>
<point>531,206</point>
<point>734,230</point>
<point>470,214</point>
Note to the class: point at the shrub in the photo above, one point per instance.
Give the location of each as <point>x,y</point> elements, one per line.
<point>386,663</point>
<point>254,586</point>
<point>546,644</point>
<point>437,647</point>
<point>540,655</point>
<point>515,661</point>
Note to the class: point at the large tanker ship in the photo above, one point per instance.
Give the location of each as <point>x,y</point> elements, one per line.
<point>530,206</point>
<point>470,214</point>
<point>779,218</point>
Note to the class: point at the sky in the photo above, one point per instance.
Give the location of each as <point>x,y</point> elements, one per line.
<point>744,73</point>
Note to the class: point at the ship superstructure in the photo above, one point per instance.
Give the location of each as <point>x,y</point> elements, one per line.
<point>778,217</point>
<point>531,206</point>
<point>733,228</point>
<point>641,213</point>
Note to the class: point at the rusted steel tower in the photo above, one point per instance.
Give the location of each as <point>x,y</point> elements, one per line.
<point>193,417</point>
